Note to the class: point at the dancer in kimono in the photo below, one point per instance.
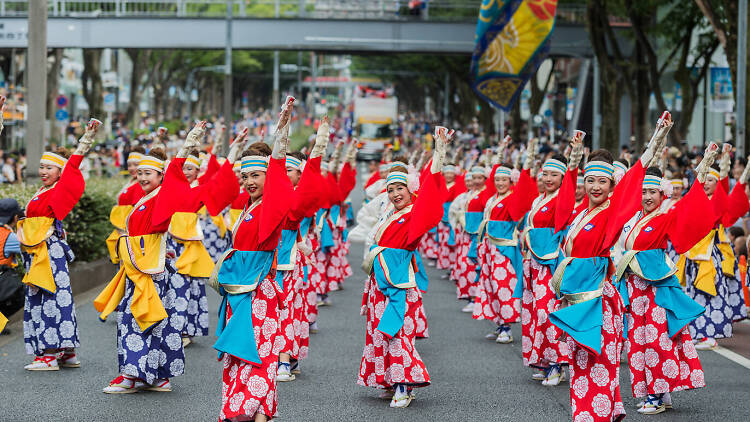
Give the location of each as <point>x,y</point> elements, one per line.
<point>456,219</point>
<point>468,276</point>
<point>540,346</point>
<point>592,311</point>
<point>305,200</point>
<point>709,269</point>
<point>186,237</point>
<point>446,236</point>
<point>390,360</point>
<point>213,226</point>
<point>128,196</point>
<point>249,336</point>
<point>238,203</point>
<point>49,318</point>
<point>661,355</point>
<point>500,258</point>
<point>149,343</point>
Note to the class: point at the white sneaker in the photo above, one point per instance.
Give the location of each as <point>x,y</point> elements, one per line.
<point>555,376</point>
<point>706,344</point>
<point>314,328</point>
<point>469,308</point>
<point>43,363</point>
<point>539,376</point>
<point>386,394</point>
<point>283,374</point>
<point>161,385</point>
<point>493,335</point>
<point>123,385</point>
<point>186,341</point>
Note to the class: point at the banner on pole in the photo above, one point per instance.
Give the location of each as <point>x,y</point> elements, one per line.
<point>512,40</point>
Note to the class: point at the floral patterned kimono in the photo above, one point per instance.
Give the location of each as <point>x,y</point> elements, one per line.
<point>593,317</point>
<point>249,328</point>
<point>49,316</point>
<point>391,298</point>
<point>661,353</point>
<point>499,256</point>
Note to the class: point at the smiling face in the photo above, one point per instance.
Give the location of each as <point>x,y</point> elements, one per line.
<point>580,193</point>
<point>551,180</point>
<point>49,174</point>
<point>253,182</point>
<point>149,179</point>
<point>597,189</point>
<point>651,199</point>
<point>478,181</point>
<point>709,186</point>
<point>399,195</point>
<point>133,168</point>
<point>502,184</point>
<point>450,177</point>
<point>190,172</point>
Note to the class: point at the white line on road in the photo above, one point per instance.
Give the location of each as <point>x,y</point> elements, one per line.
<point>734,357</point>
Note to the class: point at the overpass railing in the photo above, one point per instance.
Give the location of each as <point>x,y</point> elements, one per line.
<point>442,10</point>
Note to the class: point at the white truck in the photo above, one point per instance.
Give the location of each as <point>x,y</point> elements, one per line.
<point>374,120</point>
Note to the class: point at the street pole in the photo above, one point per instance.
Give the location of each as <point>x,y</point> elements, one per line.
<point>741,77</point>
<point>228,78</point>
<point>445,100</point>
<point>595,138</point>
<point>36,85</point>
<point>275,101</point>
<point>314,72</point>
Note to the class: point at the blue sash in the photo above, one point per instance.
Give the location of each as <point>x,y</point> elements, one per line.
<point>504,230</point>
<point>582,320</point>
<point>681,310</point>
<point>473,221</point>
<point>326,235</point>
<point>391,268</point>
<point>544,242</point>
<point>446,220</point>
<point>236,336</point>
<point>304,226</point>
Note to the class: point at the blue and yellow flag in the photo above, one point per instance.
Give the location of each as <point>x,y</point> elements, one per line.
<point>513,38</point>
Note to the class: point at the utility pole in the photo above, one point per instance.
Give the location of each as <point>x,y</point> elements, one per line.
<point>228,78</point>
<point>445,100</point>
<point>741,77</point>
<point>314,74</point>
<point>275,101</point>
<point>36,84</point>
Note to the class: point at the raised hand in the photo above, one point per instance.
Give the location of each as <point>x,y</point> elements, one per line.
<point>712,150</point>
<point>443,137</point>
<point>321,139</point>
<point>84,144</point>
<point>237,146</point>
<point>576,149</point>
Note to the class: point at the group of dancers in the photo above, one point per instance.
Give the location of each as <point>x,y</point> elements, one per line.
<point>592,258</point>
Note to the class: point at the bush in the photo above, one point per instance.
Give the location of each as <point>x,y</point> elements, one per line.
<point>87,225</point>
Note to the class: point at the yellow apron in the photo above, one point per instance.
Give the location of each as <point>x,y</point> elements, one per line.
<point>3,321</point>
<point>233,215</point>
<point>117,217</point>
<point>705,281</point>
<point>33,233</point>
<point>138,264</point>
<point>194,260</point>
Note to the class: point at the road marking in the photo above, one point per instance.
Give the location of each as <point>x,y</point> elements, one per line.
<point>734,357</point>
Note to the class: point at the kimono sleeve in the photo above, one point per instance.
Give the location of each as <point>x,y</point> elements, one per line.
<point>428,207</point>
<point>276,192</point>
<point>69,188</point>
<point>693,211</point>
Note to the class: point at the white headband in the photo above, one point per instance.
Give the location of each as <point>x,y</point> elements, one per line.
<point>599,168</point>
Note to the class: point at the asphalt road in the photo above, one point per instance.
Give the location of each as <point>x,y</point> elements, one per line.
<point>472,378</point>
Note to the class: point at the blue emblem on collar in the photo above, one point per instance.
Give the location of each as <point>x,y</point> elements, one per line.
<point>544,209</point>
<point>648,229</point>
<point>588,227</point>
<point>249,217</point>
<point>500,205</point>
<point>36,198</point>
<point>142,207</point>
<point>401,220</point>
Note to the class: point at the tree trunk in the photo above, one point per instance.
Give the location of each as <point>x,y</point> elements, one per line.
<point>609,133</point>
<point>139,58</point>
<point>92,81</point>
<point>53,85</point>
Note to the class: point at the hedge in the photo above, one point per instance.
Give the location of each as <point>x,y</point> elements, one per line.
<point>88,224</point>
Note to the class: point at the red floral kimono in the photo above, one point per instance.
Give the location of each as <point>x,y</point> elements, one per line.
<point>498,275</point>
<point>248,388</point>
<point>446,255</point>
<point>390,360</point>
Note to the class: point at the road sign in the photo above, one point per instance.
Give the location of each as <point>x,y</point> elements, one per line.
<point>61,101</point>
<point>61,115</point>
<point>109,102</point>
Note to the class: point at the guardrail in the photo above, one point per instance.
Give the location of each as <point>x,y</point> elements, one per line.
<point>443,10</point>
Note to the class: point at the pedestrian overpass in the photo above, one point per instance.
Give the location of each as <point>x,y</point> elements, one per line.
<point>351,26</point>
